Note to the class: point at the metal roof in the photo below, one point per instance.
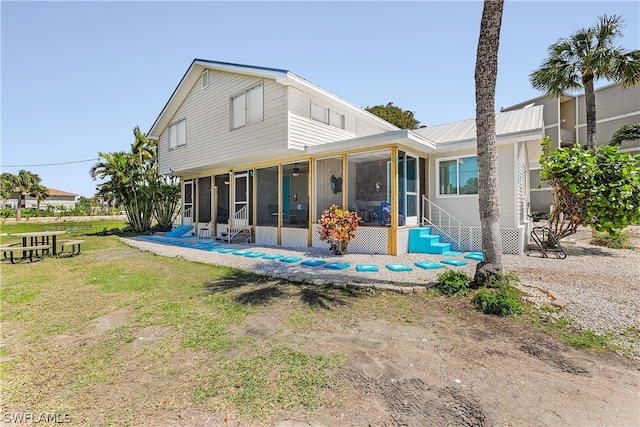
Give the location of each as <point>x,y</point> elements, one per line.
<point>508,124</point>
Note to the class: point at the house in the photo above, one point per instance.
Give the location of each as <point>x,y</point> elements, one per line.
<point>265,150</point>
<point>57,199</point>
<point>565,123</point>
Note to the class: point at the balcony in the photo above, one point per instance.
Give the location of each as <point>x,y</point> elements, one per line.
<point>567,137</point>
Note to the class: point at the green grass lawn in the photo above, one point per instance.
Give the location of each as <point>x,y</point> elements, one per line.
<point>74,330</point>
<point>118,336</point>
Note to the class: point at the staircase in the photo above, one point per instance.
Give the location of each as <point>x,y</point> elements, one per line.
<point>423,242</point>
<point>179,230</point>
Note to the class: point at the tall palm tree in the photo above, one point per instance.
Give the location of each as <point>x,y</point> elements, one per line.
<point>577,62</point>
<point>488,196</point>
<point>41,193</point>
<point>26,183</point>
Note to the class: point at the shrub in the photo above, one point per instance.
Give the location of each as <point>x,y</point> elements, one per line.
<point>504,301</point>
<point>453,283</point>
<point>339,227</point>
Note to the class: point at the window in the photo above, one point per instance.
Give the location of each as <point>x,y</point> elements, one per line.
<point>458,176</point>
<point>177,134</point>
<point>336,119</point>
<point>205,79</point>
<point>319,113</point>
<point>327,116</point>
<point>247,107</point>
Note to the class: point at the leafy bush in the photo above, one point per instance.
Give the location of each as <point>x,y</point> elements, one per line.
<point>504,301</point>
<point>338,227</point>
<point>453,283</point>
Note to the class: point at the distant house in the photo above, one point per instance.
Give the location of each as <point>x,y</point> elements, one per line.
<point>57,199</point>
<point>264,149</point>
<point>565,122</point>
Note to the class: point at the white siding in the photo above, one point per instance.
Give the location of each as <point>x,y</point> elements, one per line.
<point>304,131</point>
<point>210,140</point>
<point>465,208</point>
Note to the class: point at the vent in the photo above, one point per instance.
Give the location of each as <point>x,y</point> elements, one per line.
<point>205,79</point>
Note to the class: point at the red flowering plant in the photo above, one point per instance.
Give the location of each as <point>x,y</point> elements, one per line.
<point>339,227</point>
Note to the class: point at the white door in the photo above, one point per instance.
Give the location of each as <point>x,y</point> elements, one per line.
<point>241,199</point>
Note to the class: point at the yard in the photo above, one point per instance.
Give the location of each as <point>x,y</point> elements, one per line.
<point>117,336</point>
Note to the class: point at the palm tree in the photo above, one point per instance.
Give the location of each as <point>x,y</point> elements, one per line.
<point>26,183</point>
<point>577,62</point>
<point>7,186</point>
<point>488,196</point>
<point>40,192</point>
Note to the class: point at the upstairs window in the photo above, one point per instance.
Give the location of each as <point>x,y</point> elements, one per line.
<point>458,176</point>
<point>327,116</point>
<point>247,107</point>
<point>178,134</point>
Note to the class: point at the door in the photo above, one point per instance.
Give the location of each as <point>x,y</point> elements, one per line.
<point>241,199</point>
<point>188,208</point>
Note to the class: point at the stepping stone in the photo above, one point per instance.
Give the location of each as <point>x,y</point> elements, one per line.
<point>478,256</point>
<point>254,254</point>
<point>428,265</point>
<point>398,267</point>
<point>273,256</point>
<point>241,252</point>
<point>313,262</point>
<point>456,262</point>
<point>367,267</point>
<point>337,265</point>
<point>227,251</point>
<point>452,253</point>
<point>290,259</point>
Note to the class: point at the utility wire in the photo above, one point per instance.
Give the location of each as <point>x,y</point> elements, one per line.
<point>49,164</point>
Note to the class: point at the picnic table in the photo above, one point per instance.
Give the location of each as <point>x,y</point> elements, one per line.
<point>39,238</point>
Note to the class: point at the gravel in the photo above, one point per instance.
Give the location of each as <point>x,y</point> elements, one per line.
<point>598,288</point>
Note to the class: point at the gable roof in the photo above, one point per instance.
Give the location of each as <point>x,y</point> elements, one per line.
<point>281,76</point>
<point>511,126</point>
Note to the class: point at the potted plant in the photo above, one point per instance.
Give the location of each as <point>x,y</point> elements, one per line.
<point>338,227</point>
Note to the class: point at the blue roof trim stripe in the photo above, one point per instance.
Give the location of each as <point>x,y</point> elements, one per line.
<point>231,64</point>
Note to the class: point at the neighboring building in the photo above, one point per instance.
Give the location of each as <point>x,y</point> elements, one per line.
<point>263,149</point>
<point>57,199</point>
<point>565,123</point>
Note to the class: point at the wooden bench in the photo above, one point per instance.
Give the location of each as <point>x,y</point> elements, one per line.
<point>74,244</point>
<point>25,249</point>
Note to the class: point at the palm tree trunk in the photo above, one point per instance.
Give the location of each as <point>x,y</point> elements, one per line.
<point>590,104</point>
<point>488,195</point>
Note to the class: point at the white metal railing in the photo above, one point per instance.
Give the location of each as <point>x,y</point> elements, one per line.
<point>187,219</point>
<point>438,218</point>
<point>567,136</point>
<point>238,222</point>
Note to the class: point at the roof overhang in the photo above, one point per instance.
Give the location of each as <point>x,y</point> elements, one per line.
<point>403,137</point>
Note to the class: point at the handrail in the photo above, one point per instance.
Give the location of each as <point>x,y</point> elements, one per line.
<point>242,217</point>
<point>187,219</point>
<point>427,206</point>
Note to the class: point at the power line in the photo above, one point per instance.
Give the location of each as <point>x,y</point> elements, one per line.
<point>48,164</point>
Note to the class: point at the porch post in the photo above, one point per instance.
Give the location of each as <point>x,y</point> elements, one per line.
<point>393,230</point>
<point>311,204</point>
<point>279,216</point>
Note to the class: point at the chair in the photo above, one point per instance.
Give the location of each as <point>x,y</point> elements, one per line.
<point>205,232</point>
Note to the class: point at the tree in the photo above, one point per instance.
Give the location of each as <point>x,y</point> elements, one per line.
<point>41,193</point>
<point>628,132</point>
<point>134,183</point>
<point>26,183</point>
<point>576,62</point>
<point>598,188</point>
<point>488,195</point>
<point>395,115</point>
<point>7,186</point>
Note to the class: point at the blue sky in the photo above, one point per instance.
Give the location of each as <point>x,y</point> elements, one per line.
<point>78,76</point>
